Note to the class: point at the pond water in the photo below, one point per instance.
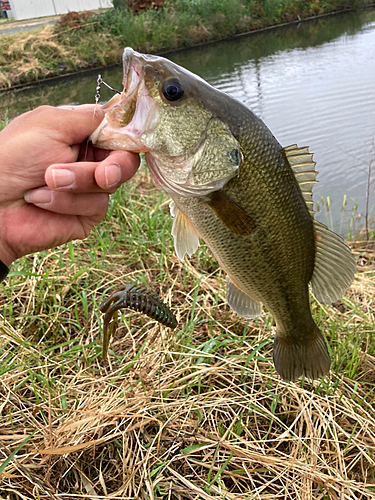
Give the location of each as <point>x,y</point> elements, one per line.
<point>312,84</point>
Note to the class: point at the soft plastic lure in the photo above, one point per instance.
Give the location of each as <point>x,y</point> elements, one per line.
<point>139,299</point>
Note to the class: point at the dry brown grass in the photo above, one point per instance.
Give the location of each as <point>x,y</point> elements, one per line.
<point>22,55</point>
<point>47,52</point>
<point>198,413</point>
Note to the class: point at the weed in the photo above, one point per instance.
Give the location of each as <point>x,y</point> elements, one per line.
<point>196,412</point>
<point>82,41</point>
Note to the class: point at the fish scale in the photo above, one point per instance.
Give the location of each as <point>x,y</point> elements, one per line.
<point>234,186</point>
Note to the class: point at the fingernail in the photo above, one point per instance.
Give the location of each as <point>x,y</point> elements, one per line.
<point>112,175</point>
<point>62,177</point>
<point>38,196</point>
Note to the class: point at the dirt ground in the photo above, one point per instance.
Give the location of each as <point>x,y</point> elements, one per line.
<point>11,26</point>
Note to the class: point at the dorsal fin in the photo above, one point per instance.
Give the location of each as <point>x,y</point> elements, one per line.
<point>303,165</point>
<point>335,265</point>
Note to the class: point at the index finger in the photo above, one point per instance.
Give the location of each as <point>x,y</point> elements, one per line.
<point>71,125</point>
<point>68,125</point>
<point>76,123</point>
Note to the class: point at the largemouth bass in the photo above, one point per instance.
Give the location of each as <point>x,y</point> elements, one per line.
<point>233,185</point>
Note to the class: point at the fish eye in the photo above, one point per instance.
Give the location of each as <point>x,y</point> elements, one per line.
<point>172,90</point>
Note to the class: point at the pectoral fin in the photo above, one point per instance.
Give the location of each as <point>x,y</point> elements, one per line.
<point>230,213</point>
<point>241,303</point>
<point>186,240</point>
<point>334,268</point>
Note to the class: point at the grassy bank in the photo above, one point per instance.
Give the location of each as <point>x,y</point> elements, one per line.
<point>84,42</point>
<point>198,412</point>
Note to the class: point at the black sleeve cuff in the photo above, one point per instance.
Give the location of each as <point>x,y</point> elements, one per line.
<point>3,271</point>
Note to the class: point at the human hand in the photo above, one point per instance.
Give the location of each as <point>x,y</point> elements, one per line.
<point>55,188</point>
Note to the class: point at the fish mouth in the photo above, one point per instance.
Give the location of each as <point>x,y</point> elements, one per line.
<point>133,73</point>
<point>129,114</point>
<point>134,60</point>
<point>126,61</point>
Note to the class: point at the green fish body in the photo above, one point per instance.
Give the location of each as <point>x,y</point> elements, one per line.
<point>249,199</point>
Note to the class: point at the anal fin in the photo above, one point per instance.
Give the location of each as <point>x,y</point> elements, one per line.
<point>242,304</point>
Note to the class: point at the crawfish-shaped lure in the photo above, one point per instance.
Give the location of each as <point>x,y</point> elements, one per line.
<point>139,299</point>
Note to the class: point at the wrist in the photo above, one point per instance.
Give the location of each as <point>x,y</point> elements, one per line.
<point>8,224</point>
<point>4,270</point>
<point>7,256</point>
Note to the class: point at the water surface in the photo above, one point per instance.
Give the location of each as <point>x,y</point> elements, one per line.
<point>312,84</point>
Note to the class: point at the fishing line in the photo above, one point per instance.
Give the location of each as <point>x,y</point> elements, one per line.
<point>99,83</point>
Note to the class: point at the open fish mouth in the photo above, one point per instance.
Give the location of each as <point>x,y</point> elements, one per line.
<point>129,114</point>
<point>133,75</point>
<point>190,157</point>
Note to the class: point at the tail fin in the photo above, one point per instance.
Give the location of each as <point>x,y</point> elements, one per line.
<point>309,357</point>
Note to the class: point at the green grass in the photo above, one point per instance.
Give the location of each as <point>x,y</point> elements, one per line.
<point>99,40</point>
<point>197,412</point>
<point>4,121</point>
<point>353,229</point>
